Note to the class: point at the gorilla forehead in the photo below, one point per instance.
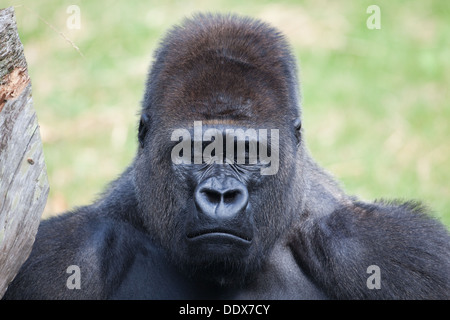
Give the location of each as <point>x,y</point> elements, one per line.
<point>222,66</point>
<point>217,87</point>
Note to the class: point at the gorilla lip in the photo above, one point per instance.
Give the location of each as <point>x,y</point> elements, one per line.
<point>219,233</point>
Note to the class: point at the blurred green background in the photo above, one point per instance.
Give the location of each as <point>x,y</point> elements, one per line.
<point>375,102</point>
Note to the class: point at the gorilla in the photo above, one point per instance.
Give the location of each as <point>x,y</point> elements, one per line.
<point>223,201</point>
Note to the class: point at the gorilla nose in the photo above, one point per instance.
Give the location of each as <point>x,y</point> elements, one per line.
<point>221,198</point>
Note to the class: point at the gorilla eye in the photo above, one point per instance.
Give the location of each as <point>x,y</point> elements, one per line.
<point>201,152</point>
<point>245,152</point>
<point>206,143</point>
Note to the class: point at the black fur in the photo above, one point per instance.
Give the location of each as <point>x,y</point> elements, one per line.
<point>301,236</point>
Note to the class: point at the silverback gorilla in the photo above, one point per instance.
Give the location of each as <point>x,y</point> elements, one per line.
<point>223,201</point>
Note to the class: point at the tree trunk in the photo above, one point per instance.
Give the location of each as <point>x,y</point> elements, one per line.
<point>23,178</point>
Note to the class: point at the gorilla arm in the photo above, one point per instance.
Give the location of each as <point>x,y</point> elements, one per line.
<point>411,250</point>
<point>91,237</point>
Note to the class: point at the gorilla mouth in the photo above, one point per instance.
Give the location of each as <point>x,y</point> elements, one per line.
<point>219,234</point>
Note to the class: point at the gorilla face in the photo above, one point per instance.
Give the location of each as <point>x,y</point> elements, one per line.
<point>213,203</point>
<point>215,198</point>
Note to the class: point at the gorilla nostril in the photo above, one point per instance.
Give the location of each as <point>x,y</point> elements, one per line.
<point>213,196</point>
<point>231,196</point>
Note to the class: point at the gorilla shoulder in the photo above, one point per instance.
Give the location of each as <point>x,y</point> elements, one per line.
<point>408,249</point>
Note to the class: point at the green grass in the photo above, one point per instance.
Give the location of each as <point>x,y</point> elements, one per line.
<point>375,102</point>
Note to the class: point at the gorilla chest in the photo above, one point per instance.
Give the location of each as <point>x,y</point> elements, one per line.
<point>281,279</point>
<point>154,278</point>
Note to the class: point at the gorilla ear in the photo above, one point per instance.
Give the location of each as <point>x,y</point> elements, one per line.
<point>143,128</point>
<point>298,127</point>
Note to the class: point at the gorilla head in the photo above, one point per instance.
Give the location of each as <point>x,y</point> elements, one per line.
<point>218,217</point>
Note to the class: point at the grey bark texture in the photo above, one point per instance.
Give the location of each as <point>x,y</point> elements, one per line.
<point>23,176</point>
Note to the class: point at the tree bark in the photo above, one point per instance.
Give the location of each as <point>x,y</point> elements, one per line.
<point>23,177</point>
